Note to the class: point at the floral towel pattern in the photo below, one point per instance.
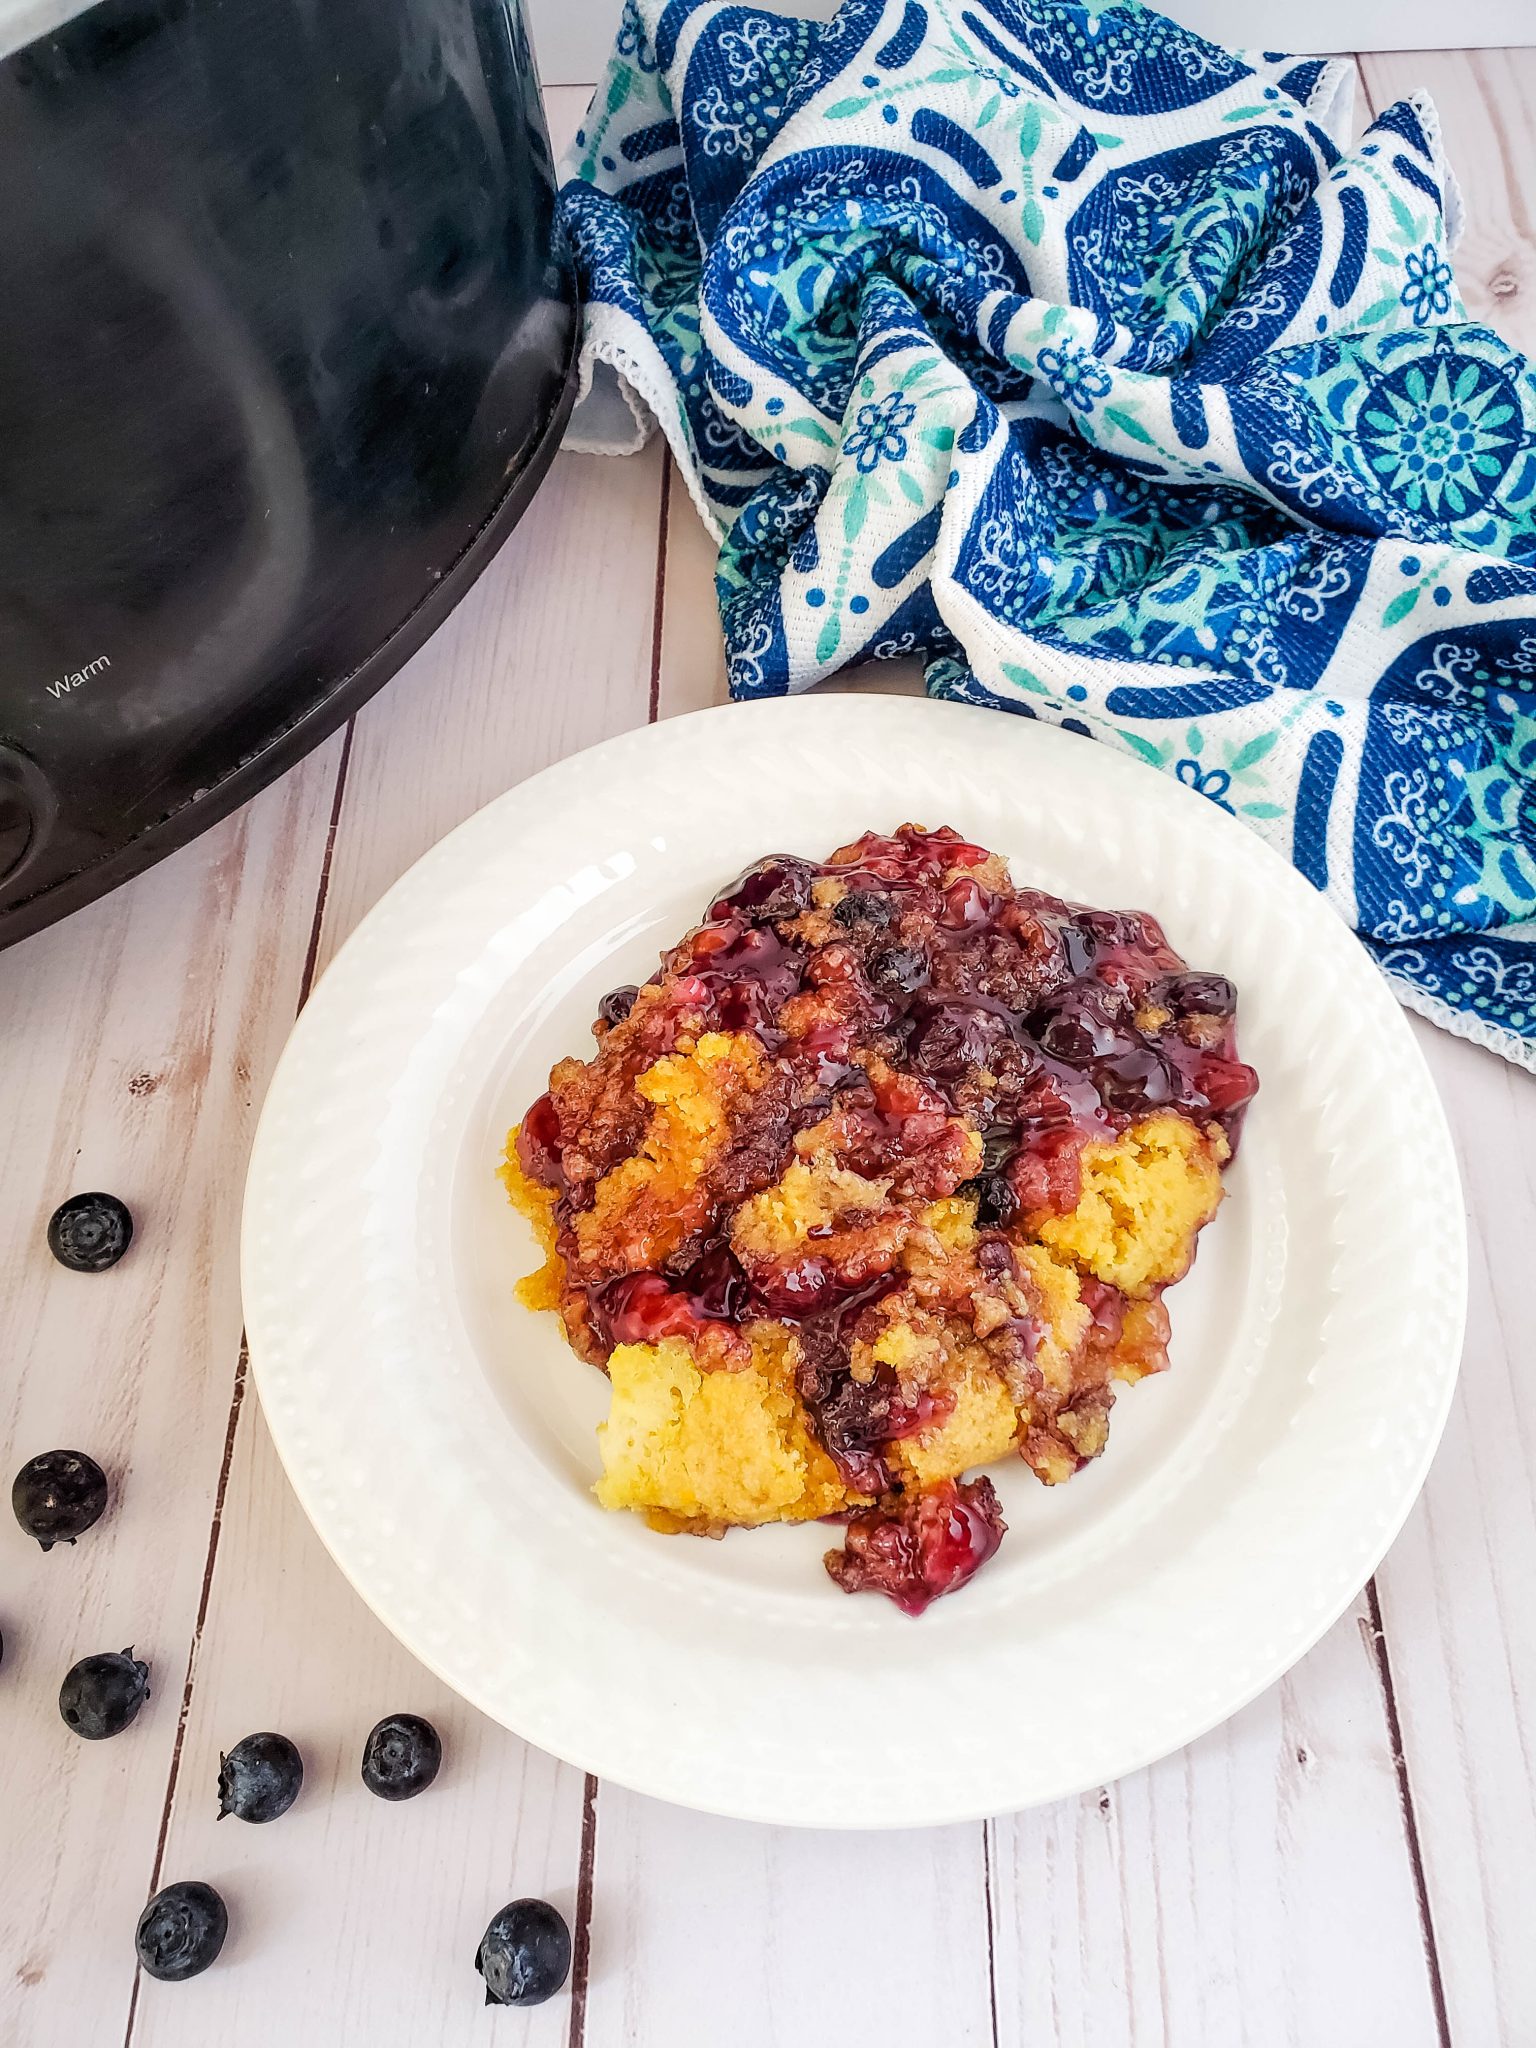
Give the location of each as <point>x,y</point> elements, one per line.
<point>1081,356</point>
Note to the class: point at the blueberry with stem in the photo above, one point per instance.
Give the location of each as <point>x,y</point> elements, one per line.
<point>259,1778</point>
<point>101,1695</point>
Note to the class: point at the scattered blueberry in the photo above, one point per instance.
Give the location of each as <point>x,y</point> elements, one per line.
<point>58,1495</point>
<point>101,1695</point>
<point>260,1778</point>
<point>525,1954</point>
<point>401,1757</point>
<point>181,1931</point>
<point>89,1233</point>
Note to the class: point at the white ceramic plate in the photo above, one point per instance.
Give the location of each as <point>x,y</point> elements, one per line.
<point>441,1437</point>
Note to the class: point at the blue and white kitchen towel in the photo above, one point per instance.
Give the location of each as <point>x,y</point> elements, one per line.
<point>1087,359</point>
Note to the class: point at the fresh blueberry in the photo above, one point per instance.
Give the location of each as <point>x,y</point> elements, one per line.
<point>401,1756</point>
<point>181,1931</point>
<point>260,1778</point>
<point>58,1495</point>
<point>617,1004</point>
<point>88,1233</point>
<point>525,1954</point>
<point>101,1695</point>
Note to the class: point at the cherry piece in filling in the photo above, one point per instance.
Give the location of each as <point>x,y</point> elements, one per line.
<point>538,1144</point>
<point>928,1545</point>
<point>641,1308</point>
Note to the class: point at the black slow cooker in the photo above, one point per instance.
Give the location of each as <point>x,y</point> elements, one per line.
<point>286,341</point>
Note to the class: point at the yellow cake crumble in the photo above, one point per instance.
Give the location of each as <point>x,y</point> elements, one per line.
<point>1145,1199</point>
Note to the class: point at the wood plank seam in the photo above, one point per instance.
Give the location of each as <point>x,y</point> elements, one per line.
<point>659,612</point>
<point>1376,1630</point>
<point>986,1886</point>
<point>307,979</point>
<point>1363,86</point>
<point>581,1944</point>
<point>1376,1644</point>
<point>581,1937</point>
<point>236,1403</point>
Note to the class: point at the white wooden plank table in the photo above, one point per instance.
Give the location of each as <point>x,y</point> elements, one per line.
<point>1349,1863</point>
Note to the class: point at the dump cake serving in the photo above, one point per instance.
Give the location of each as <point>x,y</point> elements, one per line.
<point>879,1179</point>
